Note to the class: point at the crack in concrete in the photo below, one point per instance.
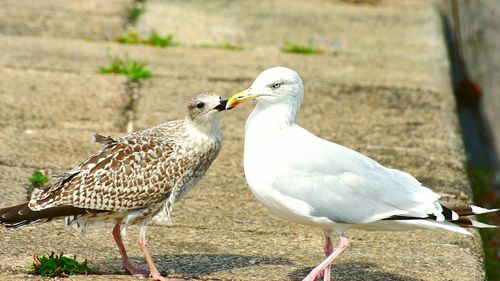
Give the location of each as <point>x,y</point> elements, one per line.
<point>134,12</point>
<point>132,91</point>
<point>132,86</point>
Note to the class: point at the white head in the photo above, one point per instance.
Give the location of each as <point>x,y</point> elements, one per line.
<point>274,87</point>
<point>203,111</point>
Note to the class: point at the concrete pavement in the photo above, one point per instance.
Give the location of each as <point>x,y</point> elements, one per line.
<point>381,87</point>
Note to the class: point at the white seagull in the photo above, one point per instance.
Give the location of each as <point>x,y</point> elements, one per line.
<point>309,180</point>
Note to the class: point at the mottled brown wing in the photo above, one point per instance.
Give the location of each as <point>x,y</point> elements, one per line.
<point>127,174</point>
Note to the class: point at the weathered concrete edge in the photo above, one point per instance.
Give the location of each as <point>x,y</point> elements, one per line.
<point>445,84</point>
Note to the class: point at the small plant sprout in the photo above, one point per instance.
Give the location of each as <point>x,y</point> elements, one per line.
<point>133,13</point>
<point>59,266</point>
<point>226,46</point>
<point>132,37</point>
<point>159,41</point>
<point>135,70</point>
<point>300,49</point>
<point>38,178</point>
<point>129,37</point>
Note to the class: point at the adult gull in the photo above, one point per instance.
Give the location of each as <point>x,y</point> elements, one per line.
<point>308,180</point>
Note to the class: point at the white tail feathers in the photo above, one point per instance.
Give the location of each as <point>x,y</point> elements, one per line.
<point>478,224</point>
<point>479,210</point>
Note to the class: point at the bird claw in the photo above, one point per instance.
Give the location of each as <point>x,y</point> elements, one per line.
<point>137,272</point>
<point>157,277</point>
<point>313,276</point>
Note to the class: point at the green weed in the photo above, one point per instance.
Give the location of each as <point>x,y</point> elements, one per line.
<point>129,37</point>
<point>158,41</point>
<point>154,39</point>
<point>133,69</point>
<point>133,13</point>
<point>226,46</point>
<point>58,266</point>
<point>300,49</point>
<point>38,178</point>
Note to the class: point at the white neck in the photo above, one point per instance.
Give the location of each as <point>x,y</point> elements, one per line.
<point>209,128</point>
<point>268,117</point>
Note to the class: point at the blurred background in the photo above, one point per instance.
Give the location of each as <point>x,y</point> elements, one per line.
<point>473,37</point>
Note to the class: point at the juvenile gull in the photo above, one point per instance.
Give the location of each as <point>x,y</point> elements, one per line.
<point>311,181</point>
<point>131,179</point>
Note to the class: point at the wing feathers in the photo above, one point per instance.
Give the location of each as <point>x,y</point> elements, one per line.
<point>20,215</point>
<point>102,139</point>
<point>123,175</point>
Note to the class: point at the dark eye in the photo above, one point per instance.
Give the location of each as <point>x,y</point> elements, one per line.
<point>200,105</point>
<point>276,85</point>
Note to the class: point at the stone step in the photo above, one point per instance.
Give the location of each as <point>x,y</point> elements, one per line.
<point>385,91</point>
<point>330,25</point>
<point>78,56</point>
<point>37,99</point>
<point>89,20</point>
<point>14,184</point>
<point>250,252</point>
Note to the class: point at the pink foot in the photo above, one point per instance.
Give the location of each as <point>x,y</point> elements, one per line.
<point>138,272</point>
<point>157,277</point>
<point>313,276</point>
<point>324,266</point>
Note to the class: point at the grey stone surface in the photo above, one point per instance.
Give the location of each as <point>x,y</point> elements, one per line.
<point>89,20</point>
<point>385,92</point>
<point>37,99</point>
<point>49,117</point>
<point>14,184</point>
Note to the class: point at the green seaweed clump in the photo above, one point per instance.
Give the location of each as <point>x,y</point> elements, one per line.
<point>59,266</point>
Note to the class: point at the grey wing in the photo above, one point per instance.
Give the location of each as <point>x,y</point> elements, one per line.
<point>345,186</point>
<point>131,173</point>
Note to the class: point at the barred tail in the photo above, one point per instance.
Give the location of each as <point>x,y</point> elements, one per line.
<point>453,218</point>
<point>459,215</point>
<point>21,215</point>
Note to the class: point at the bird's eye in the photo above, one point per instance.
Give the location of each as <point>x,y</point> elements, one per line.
<point>200,105</point>
<point>276,85</point>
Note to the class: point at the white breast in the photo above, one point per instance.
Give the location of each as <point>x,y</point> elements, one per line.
<point>265,167</point>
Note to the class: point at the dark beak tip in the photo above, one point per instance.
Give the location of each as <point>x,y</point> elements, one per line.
<point>222,105</point>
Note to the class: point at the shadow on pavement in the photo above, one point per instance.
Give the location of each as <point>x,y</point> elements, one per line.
<point>194,264</point>
<point>354,271</point>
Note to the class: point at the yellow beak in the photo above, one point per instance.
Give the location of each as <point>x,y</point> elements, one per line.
<point>238,98</point>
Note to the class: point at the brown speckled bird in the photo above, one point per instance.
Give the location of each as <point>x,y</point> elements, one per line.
<point>131,179</point>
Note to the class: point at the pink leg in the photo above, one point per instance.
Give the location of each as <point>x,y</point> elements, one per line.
<point>125,262</point>
<point>328,251</point>
<point>320,269</point>
<point>155,274</point>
